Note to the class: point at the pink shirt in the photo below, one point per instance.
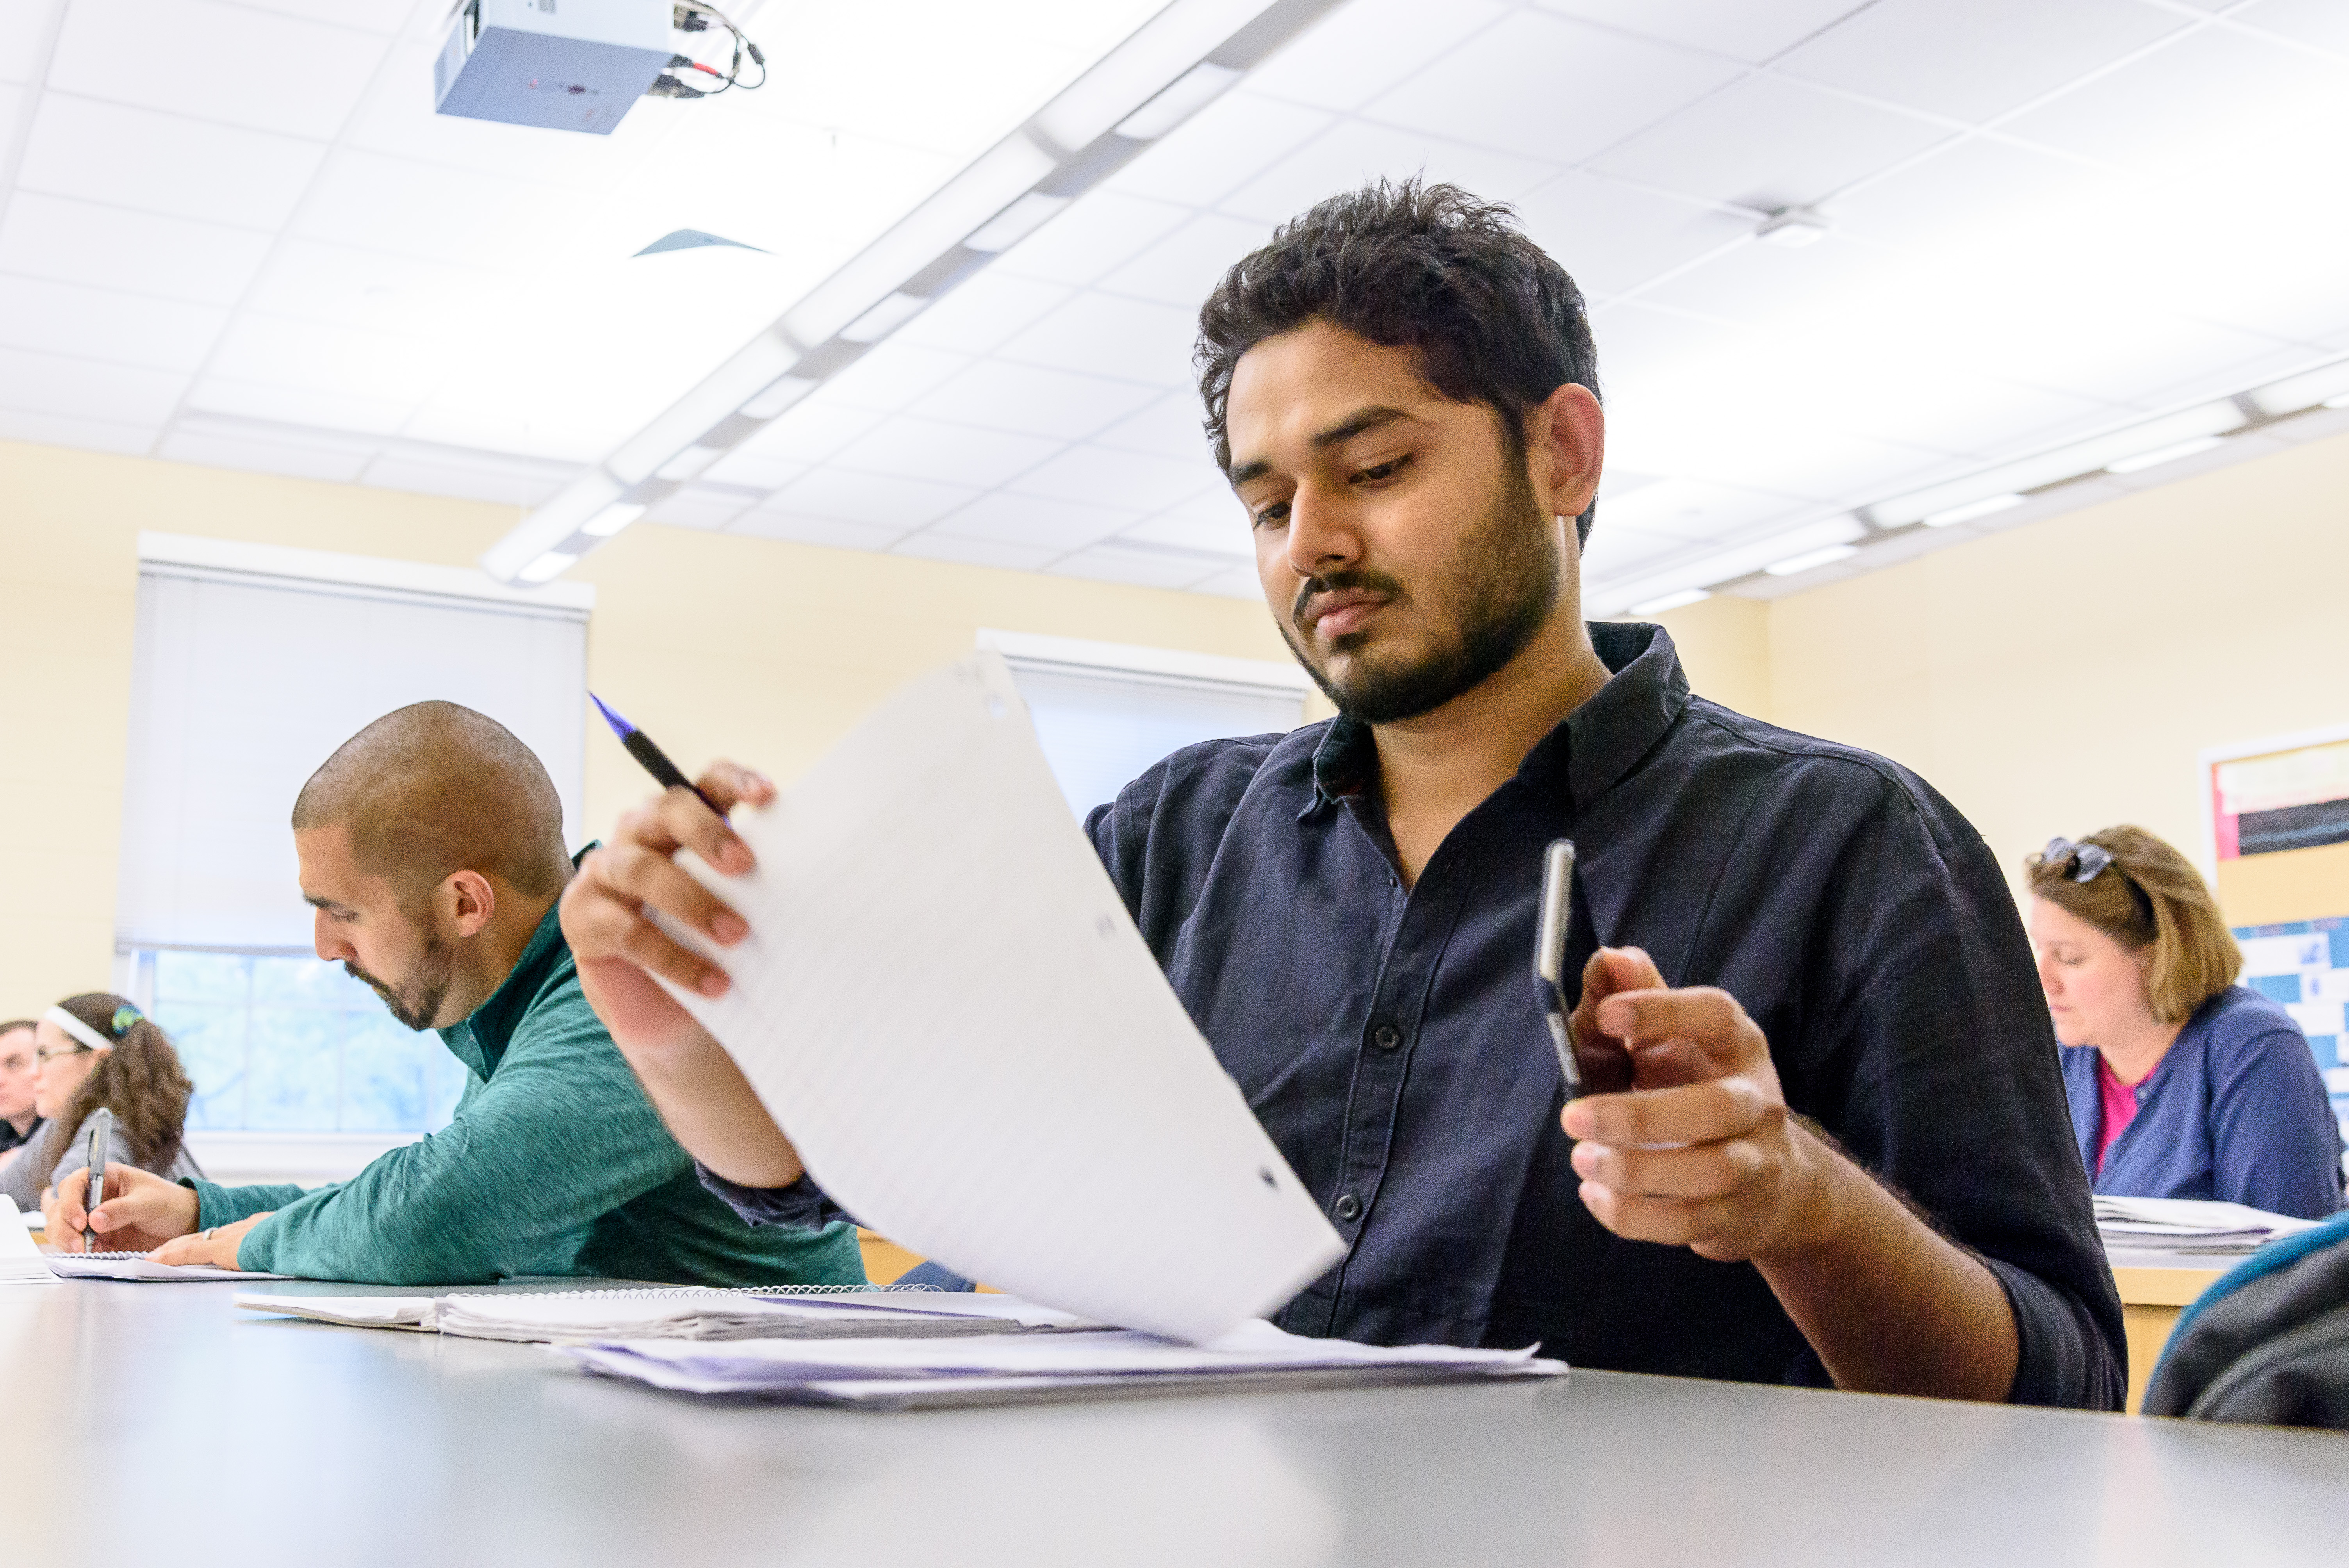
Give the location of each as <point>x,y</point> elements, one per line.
<point>2119,1102</point>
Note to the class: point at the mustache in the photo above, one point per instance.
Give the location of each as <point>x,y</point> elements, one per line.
<point>364,978</point>
<point>1376,581</point>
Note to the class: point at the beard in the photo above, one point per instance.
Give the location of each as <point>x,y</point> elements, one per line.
<point>415,1001</point>
<point>1504,578</point>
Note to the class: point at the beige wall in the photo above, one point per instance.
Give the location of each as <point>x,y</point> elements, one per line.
<point>717,644</point>
<point>2062,676</point>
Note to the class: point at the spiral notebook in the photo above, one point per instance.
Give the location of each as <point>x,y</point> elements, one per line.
<point>141,1266</point>
<point>581,1316</point>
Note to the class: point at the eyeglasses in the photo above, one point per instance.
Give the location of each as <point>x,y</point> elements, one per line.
<point>48,1053</point>
<point>2080,863</point>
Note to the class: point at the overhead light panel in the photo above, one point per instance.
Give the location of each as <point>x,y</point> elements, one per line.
<point>2160,455</point>
<point>883,318</point>
<point>778,396</point>
<point>1989,506</point>
<point>2325,387</point>
<point>611,519</point>
<point>1189,93</point>
<point>1947,502</point>
<point>1826,555</point>
<point>548,567</point>
<point>1014,224</point>
<point>1679,601</point>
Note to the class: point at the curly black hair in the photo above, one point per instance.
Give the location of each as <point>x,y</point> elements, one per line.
<point>1493,318</point>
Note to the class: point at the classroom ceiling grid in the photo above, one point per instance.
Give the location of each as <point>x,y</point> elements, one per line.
<point>2045,218</point>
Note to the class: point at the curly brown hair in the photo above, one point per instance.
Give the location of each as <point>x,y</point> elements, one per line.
<point>141,1080</point>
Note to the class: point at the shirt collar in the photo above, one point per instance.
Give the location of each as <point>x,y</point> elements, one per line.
<point>1597,744</point>
<point>491,1024</point>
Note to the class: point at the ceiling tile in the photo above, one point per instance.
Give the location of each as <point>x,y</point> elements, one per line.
<point>1978,60</point>
<point>1128,480</point>
<point>34,383</point>
<point>823,531</point>
<point>1612,237</point>
<point>1230,141</point>
<point>809,433</point>
<point>1949,194</point>
<point>107,247</point>
<point>1172,427</point>
<point>1027,398</point>
<point>1133,340</point>
<point>1362,48</point>
<point>1765,144</point>
<point>296,460</point>
<point>310,281</point>
<point>1547,85</point>
<point>880,500</point>
<point>1236,584</point>
<point>1137,568</point>
<point>2209,92</point>
<point>754,470</point>
<point>709,508</point>
<point>948,453</point>
<point>12,104</point>
<point>411,209</point>
<point>1093,235</point>
<point>165,163</point>
<point>1739,28</point>
<point>976,552</point>
<point>1024,519</point>
<point>23,34</point>
<point>979,315</point>
<point>895,375</point>
<point>1185,266</point>
<point>367,16</point>
<point>1355,153</point>
<point>512,485</point>
<point>64,430</point>
<point>1756,283</point>
<point>105,325</point>
<point>1615,550</point>
<point>1211,523</point>
<point>330,358</point>
<point>518,429</point>
<point>2325,22</point>
<point>1693,509</point>
<point>304,405</point>
<point>216,62</point>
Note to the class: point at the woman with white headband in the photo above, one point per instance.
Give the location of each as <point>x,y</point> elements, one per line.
<point>96,1051</point>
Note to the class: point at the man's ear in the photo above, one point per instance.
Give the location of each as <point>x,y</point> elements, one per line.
<point>468,901</point>
<point>1565,444</point>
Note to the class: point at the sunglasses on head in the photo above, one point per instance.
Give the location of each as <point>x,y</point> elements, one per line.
<point>2080,863</point>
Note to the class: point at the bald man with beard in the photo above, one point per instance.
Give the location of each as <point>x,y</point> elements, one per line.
<point>431,849</point>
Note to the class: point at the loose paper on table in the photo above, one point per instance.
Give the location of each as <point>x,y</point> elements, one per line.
<point>944,1006</point>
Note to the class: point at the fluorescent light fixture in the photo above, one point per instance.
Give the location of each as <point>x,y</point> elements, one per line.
<point>1679,601</point>
<point>2326,387</point>
<point>1792,228</point>
<point>611,519</point>
<point>883,318</point>
<point>1986,507</point>
<point>2162,455</point>
<point>1136,72</point>
<point>1014,224</point>
<point>547,567</point>
<point>686,463</point>
<point>556,521</point>
<point>1942,501</point>
<point>1826,555</point>
<point>1189,93</point>
<point>778,396</point>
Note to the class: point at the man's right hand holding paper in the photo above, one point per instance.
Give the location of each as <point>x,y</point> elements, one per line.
<point>606,918</point>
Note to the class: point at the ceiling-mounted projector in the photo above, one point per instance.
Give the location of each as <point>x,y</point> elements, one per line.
<point>577,65</point>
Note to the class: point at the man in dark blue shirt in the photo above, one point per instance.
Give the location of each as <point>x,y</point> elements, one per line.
<point>1827,1140</point>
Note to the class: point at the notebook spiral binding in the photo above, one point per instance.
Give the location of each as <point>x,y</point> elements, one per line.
<point>643,1293</point>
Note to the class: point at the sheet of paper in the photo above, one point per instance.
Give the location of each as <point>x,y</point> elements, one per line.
<point>582,1316</point>
<point>139,1267</point>
<point>20,1261</point>
<point>944,1003</point>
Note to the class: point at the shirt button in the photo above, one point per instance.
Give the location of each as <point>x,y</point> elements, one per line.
<point>1386,1037</point>
<point>1349,1207</point>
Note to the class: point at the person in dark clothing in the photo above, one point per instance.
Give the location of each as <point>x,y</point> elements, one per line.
<point>1827,1140</point>
<point>18,1120</point>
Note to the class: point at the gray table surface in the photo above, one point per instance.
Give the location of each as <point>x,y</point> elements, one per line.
<point>159,1423</point>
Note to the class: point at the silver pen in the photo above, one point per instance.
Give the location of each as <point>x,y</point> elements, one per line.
<point>1554,924</point>
<point>101,1135</point>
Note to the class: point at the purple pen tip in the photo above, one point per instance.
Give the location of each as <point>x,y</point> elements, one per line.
<point>620,726</point>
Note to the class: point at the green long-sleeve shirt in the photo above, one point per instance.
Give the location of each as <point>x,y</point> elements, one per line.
<point>554,1163</point>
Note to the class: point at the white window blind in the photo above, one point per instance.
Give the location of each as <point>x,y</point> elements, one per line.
<point>245,680</point>
<point>1106,711</point>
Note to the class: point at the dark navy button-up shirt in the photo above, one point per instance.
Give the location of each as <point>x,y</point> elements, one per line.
<point>2236,1109</point>
<point>1390,1042</point>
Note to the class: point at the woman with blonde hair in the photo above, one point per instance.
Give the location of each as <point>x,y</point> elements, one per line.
<point>97,1052</point>
<point>2183,1083</point>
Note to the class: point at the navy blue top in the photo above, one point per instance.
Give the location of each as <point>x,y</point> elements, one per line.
<point>1390,1042</point>
<point>2236,1110</point>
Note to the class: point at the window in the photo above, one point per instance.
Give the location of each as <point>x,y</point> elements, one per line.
<point>251,665</point>
<point>1104,712</point>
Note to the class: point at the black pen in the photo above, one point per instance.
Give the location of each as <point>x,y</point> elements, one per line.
<point>655,762</point>
<point>101,1138</point>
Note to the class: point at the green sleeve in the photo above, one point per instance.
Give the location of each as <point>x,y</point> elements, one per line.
<point>219,1205</point>
<point>558,1136</point>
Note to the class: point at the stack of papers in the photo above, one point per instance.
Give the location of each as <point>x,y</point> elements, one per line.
<point>141,1266</point>
<point>20,1261</point>
<point>582,1316</point>
<point>2189,1226</point>
<point>904,1374</point>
